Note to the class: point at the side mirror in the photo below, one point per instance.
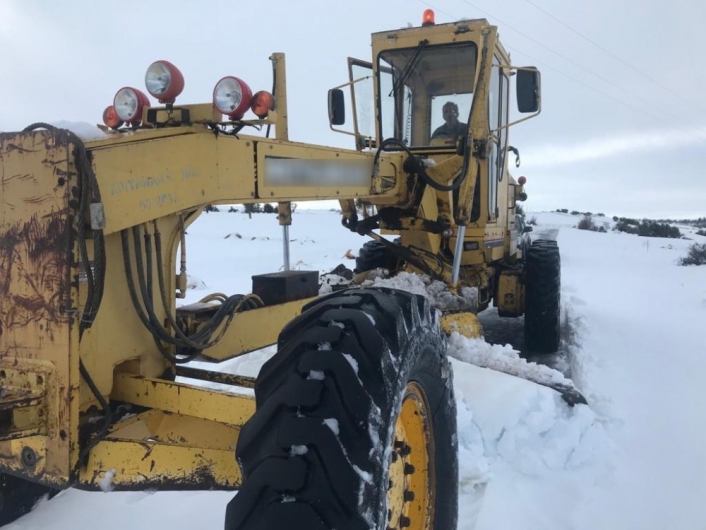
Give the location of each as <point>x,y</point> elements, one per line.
<point>528,90</point>
<point>336,107</point>
<point>527,229</point>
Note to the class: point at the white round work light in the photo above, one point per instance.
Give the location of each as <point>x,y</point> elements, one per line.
<point>231,97</point>
<point>164,81</point>
<point>128,104</point>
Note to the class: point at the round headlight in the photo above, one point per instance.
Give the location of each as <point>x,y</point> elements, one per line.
<point>164,81</point>
<point>232,96</point>
<point>128,104</point>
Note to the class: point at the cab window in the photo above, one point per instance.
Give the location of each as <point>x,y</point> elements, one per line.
<point>416,86</point>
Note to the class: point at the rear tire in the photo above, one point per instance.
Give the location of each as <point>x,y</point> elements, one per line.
<point>356,421</point>
<point>542,297</point>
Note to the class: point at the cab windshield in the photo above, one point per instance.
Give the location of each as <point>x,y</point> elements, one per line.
<point>426,93</point>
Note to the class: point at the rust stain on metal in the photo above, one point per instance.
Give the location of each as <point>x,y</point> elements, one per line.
<point>200,478</point>
<point>19,176</point>
<point>34,258</point>
<point>14,147</point>
<point>38,199</point>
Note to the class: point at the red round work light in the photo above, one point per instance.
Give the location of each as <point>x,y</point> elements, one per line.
<point>164,81</point>
<point>521,181</point>
<point>232,96</point>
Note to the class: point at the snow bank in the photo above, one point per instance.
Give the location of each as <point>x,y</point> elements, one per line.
<point>512,431</point>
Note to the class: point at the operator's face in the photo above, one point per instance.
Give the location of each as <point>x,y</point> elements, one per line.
<point>450,114</point>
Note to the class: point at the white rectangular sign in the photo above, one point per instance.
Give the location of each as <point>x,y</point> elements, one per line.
<point>317,173</point>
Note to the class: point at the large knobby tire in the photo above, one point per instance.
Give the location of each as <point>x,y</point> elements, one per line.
<point>542,297</point>
<point>355,426</point>
<point>375,255</point>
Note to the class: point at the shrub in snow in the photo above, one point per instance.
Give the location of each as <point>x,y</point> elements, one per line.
<point>695,256</point>
<point>647,228</point>
<point>625,225</point>
<point>532,221</point>
<point>252,208</point>
<point>701,232</point>
<point>575,212</point>
<point>587,223</point>
<point>210,208</point>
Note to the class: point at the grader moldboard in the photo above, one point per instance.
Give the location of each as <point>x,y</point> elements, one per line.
<point>353,423</point>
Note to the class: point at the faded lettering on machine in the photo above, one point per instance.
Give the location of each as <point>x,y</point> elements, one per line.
<point>140,183</point>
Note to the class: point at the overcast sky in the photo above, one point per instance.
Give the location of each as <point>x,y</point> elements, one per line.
<point>622,131</point>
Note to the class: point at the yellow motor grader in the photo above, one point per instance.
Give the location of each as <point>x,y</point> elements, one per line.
<point>353,422</point>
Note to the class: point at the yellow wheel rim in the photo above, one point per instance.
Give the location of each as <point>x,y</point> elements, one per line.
<point>410,494</point>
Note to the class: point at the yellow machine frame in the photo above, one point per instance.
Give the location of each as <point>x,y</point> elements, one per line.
<point>161,433</point>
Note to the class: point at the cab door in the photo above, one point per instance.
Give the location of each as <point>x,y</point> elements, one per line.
<point>362,87</point>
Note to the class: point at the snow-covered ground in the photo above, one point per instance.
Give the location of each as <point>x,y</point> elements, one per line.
<point>633,459</point>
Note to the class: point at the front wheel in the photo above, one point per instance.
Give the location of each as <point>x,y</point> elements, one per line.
<point>375,255</point>
<point>356,422</point>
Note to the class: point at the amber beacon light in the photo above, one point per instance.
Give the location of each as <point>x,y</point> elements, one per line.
<point>428,18</point>
<point>111,119</point>
<point>262,103</point>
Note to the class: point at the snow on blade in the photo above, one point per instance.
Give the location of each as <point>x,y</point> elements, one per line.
<point>503,359</point>
<point>435,291</point>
